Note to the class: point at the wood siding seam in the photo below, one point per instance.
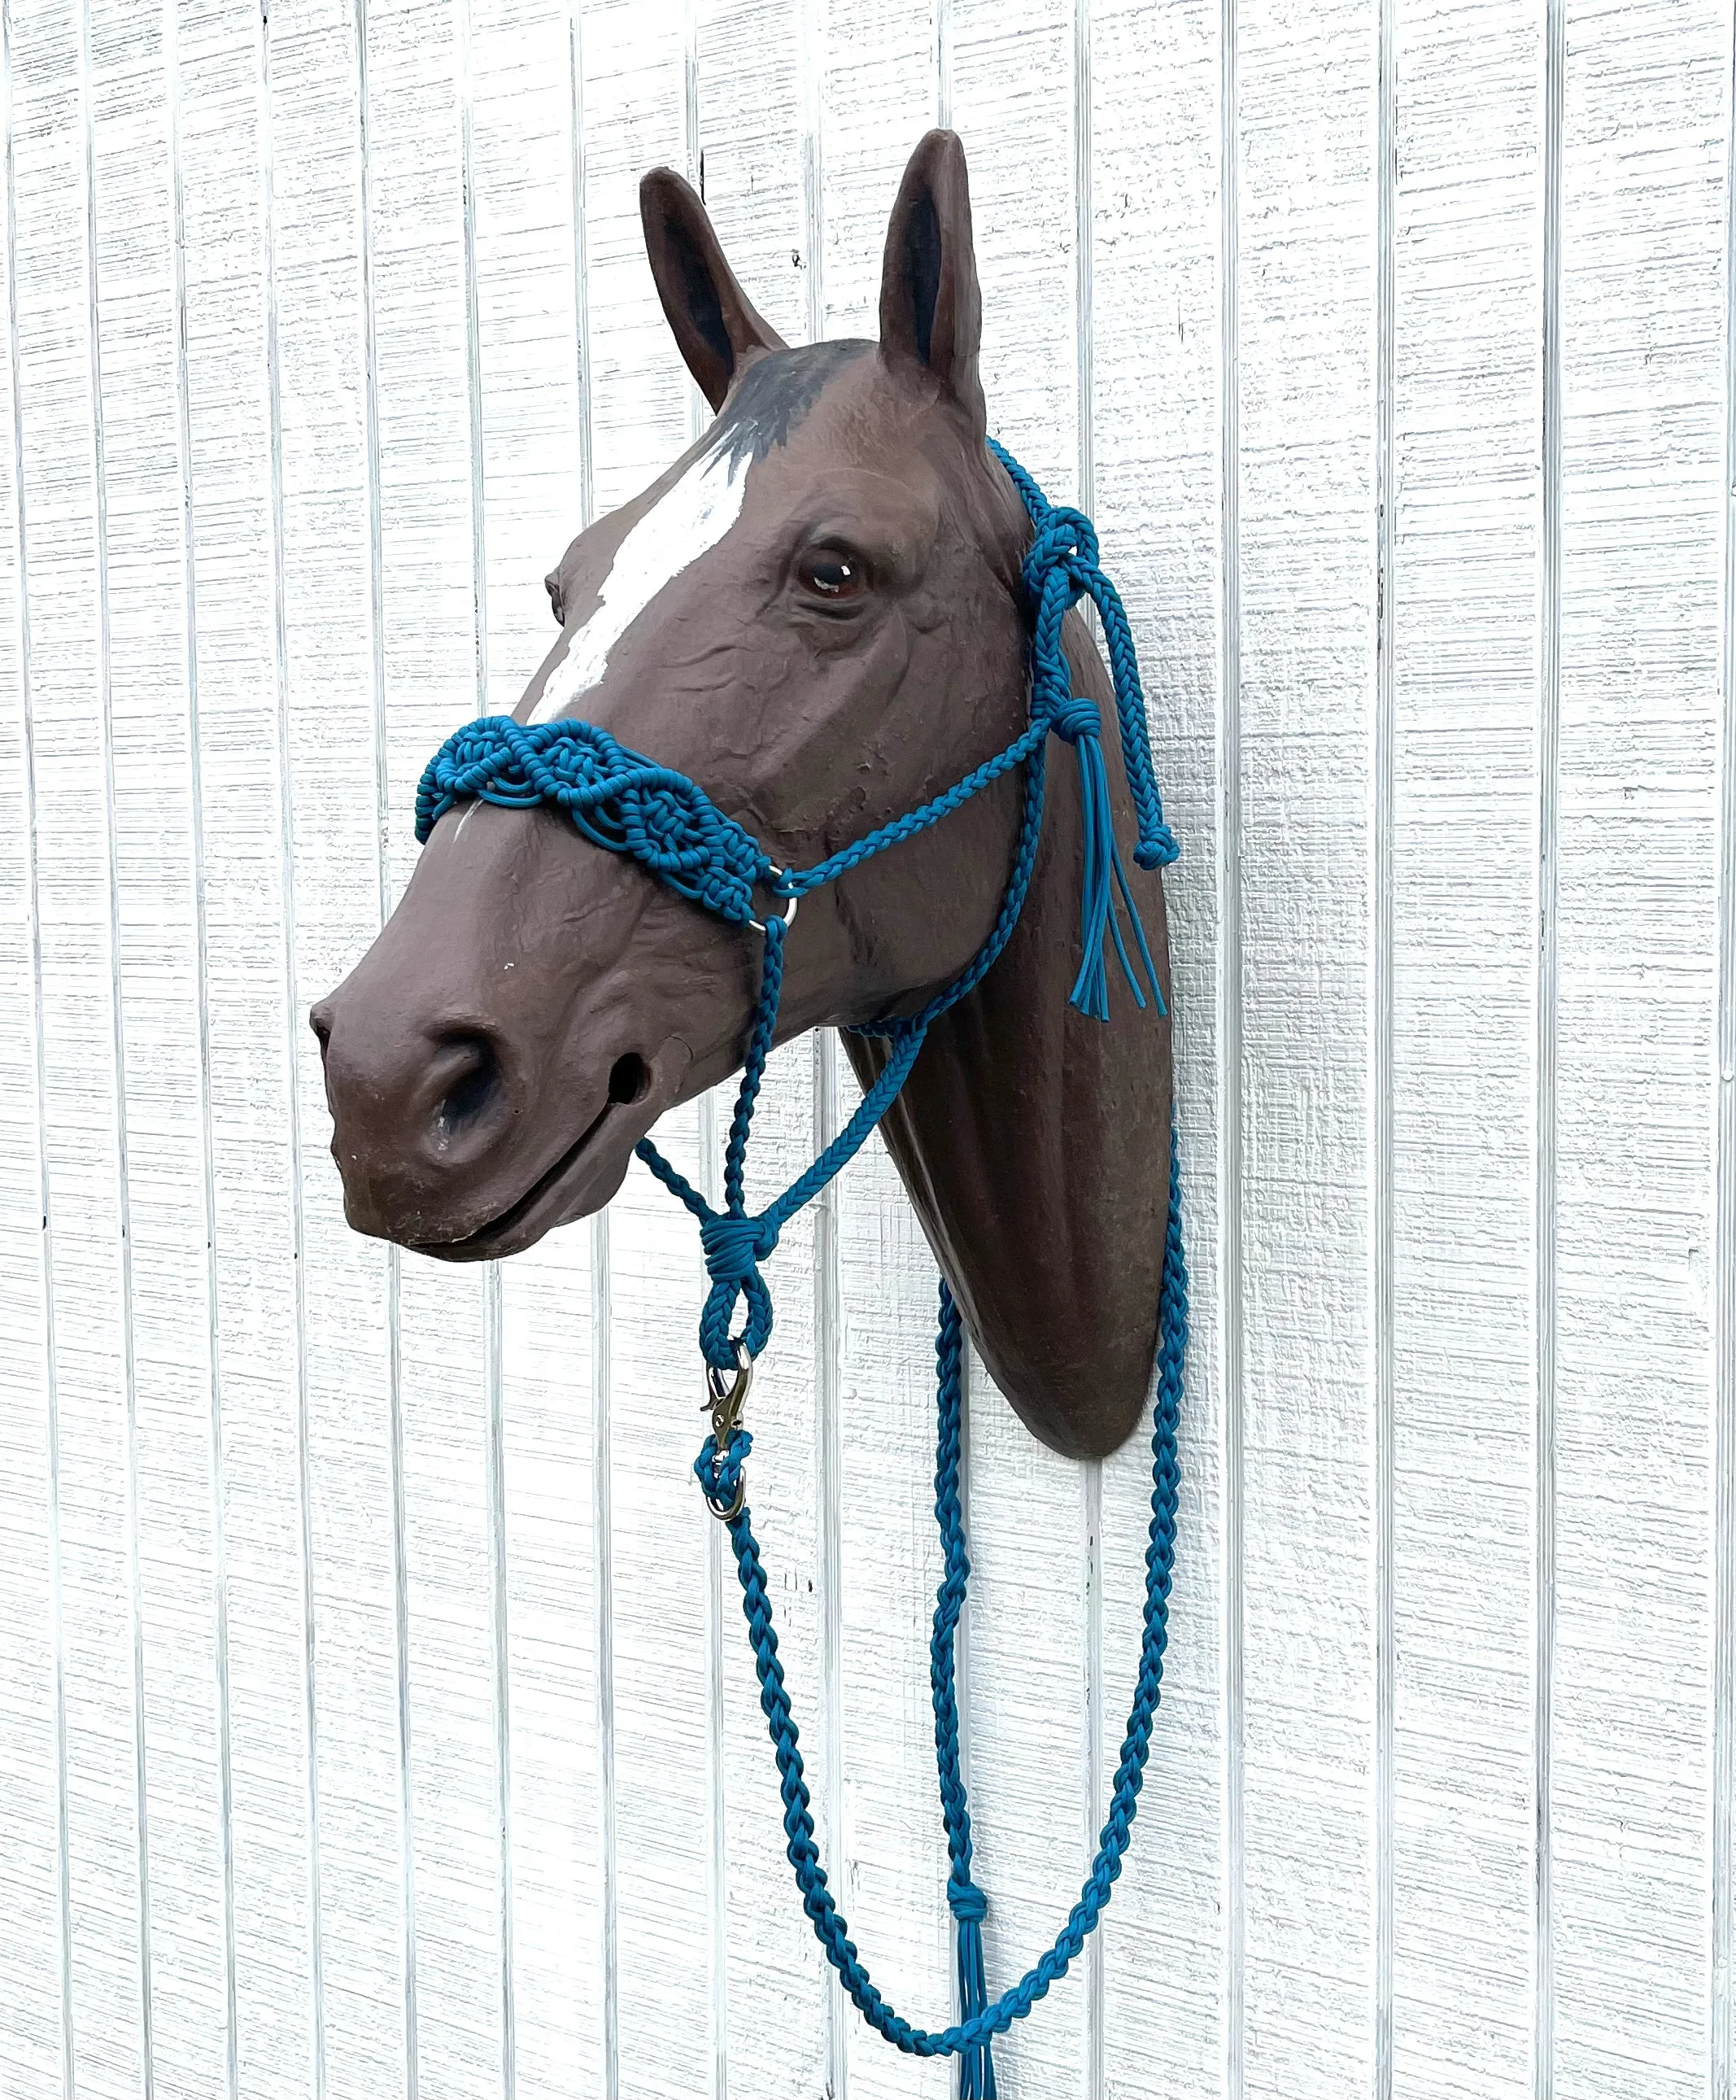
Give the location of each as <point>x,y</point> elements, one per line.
<point>1384,728</point>
<point>492,1310</point>
<point>1548,847</point>
<point>57,1631</point>
<point>291,1050</point>
<point>117,1051</point>
<point>1091,1473</point>
<point>1723,1920</point>
<point>406,1800</point>
<point>1548,764</point>
<point>202,996</point>
<point>1229,1163</point>
<point>602,1495</point>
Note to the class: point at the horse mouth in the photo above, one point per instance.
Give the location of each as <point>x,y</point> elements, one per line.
<point>548,1202</point>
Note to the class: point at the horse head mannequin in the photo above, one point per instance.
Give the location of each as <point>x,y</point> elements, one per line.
<point>817,614</point>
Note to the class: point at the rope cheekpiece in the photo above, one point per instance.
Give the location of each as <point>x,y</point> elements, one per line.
<point>628,804</point>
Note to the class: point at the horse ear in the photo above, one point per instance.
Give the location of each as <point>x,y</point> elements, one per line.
<point>714,325</point>
<point>931,307</point>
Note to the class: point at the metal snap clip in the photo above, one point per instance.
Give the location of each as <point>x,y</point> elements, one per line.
<point>726,1394</point>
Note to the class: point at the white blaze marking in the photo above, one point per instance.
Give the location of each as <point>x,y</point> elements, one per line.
<point>678,528</point>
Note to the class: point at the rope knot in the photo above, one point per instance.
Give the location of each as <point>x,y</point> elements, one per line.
<point>1079,717</point>
<point>734,1248</point>
<point>970,1907</point>
<point>1066,540</point>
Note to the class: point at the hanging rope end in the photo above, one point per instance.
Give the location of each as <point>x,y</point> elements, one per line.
<point>969,1905</point>
<point>1103,877</point>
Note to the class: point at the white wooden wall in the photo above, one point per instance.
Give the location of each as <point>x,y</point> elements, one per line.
<point>376,1717</point>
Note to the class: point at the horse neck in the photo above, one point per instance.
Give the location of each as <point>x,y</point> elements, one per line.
<point>1034,1141</point>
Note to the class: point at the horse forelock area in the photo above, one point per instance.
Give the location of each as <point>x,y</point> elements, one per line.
<point>774,397</point>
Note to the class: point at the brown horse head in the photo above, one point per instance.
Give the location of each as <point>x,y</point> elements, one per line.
<point>817,615</point>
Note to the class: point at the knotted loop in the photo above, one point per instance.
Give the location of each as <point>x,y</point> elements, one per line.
<point>1079,717</point>
<point>1065,540</point>
<point>970,1907</point>
<point>734,1247</point>
<point>1060,568</point>
<point>722,1480</point>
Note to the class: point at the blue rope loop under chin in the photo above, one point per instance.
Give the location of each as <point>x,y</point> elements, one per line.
<point>627,803</point>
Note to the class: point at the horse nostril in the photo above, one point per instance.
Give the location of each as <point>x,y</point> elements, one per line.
<point>629,1078</point>
<point>319,1020</point>
<point>473,1087</point>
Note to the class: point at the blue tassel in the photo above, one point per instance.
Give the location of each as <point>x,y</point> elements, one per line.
<point>1079,724</point>
<point>977,2064</point>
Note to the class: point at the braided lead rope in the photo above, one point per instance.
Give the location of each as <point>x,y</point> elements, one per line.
<point>721,1477</point>
<point>734,1244</point>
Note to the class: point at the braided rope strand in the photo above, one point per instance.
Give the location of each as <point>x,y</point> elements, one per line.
<point>720,1473</point>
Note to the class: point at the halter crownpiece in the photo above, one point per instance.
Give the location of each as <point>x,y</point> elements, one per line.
<point>630,805</point>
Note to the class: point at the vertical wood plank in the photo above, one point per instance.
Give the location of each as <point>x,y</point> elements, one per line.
<point>32,2006</point>
<point>1156,421</point>
<point>1642,313</point>
<point>1306,105</point>
<point>61,519</point>
<point>431,664</point>
<point>158,872</point>
<point>1722,2051</point>
<point>318,242</point>
<point>1461,611</point>
<point>262,1650</point>
<point>533,444</point>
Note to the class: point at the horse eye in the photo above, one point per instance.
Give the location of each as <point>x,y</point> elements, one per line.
<point>831,575</point>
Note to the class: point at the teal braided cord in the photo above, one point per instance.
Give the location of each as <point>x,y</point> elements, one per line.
<point>966,1902</point>
<point>720,1473</point>
<point>624,802</point>
<point>735,1244</point>
<point>1012,903</point>
<point>799,882</point>
<point>1060,568</point>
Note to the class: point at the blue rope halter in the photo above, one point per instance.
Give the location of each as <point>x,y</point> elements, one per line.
<point>630,805</point>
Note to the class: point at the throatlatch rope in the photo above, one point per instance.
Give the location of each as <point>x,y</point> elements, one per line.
<point>630,805</point>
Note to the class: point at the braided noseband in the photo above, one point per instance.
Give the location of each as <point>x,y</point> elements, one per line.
<point>630,805</point>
